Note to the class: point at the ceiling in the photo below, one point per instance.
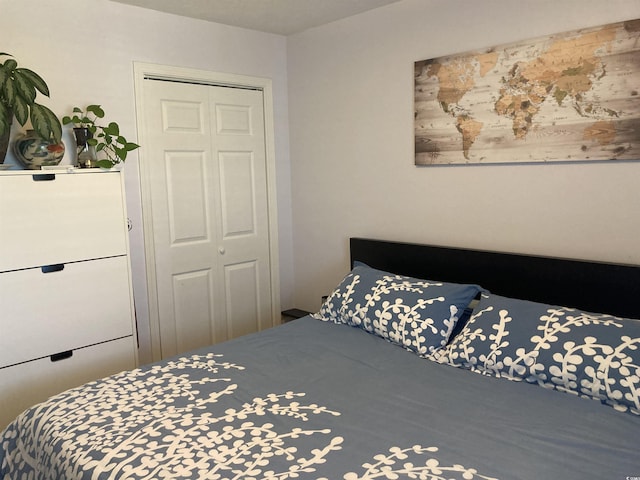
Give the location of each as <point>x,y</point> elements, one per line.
<point>283,17</point>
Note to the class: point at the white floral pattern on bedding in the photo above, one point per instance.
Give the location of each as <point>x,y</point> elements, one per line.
<point>594,356</point>
<point>157,423</point>
<point>415,462</point>
<point>416,314</point>
<point>170,421</point>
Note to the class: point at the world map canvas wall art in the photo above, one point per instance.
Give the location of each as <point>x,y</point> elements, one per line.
<point>568,97</point>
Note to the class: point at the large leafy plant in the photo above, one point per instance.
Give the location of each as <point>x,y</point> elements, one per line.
<point>18,90</point>
<point>108,140</point>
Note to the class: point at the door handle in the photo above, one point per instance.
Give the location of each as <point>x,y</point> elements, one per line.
<point>52,268</point>
<point>56,357</point>
<point>43,177</point>
<point>221,250</point>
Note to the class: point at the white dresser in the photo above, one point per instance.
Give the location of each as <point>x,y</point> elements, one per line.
<point>66,305</point>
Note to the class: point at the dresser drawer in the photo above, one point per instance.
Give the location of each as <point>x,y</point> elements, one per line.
<point>24,385</point>
<point>60,217</point>
<point>46,313</point>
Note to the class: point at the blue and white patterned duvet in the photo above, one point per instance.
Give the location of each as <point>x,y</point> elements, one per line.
<point>315,400</point>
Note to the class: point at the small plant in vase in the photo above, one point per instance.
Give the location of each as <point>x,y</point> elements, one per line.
<point>96,140</point>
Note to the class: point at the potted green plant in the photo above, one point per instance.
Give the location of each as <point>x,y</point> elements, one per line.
<point>18,90</point>
<point>106,141</point>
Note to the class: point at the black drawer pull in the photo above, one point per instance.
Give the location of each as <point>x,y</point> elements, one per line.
<point>43,177</point>
<point>56,357</point>
<point>52,268</point>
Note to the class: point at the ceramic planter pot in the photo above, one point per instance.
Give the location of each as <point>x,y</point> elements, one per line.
<point>4,146</point>
<point>34,152</point>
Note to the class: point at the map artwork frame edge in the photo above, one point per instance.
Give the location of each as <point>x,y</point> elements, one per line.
<point>572,96</point>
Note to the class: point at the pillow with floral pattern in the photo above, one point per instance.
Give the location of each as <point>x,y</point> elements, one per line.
<point>591,355</point>
<point>416,314</point>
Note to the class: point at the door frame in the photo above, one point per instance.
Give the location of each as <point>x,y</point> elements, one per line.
<point>188,75</point>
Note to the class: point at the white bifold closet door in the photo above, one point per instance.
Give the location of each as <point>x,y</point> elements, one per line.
<point>207,175</point>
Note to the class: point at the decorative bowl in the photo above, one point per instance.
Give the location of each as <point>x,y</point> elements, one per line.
<point>34,152</point>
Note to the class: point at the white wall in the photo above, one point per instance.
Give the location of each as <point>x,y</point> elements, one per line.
<point>85,52</point>
<point>351,130</point>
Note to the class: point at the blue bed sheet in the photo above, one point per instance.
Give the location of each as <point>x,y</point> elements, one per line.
<point>316,400</point>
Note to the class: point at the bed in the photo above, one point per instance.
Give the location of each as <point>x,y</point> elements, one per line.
<point>424,363</point>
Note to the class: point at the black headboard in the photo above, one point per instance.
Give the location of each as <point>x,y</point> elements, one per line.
<point>592,286</point>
